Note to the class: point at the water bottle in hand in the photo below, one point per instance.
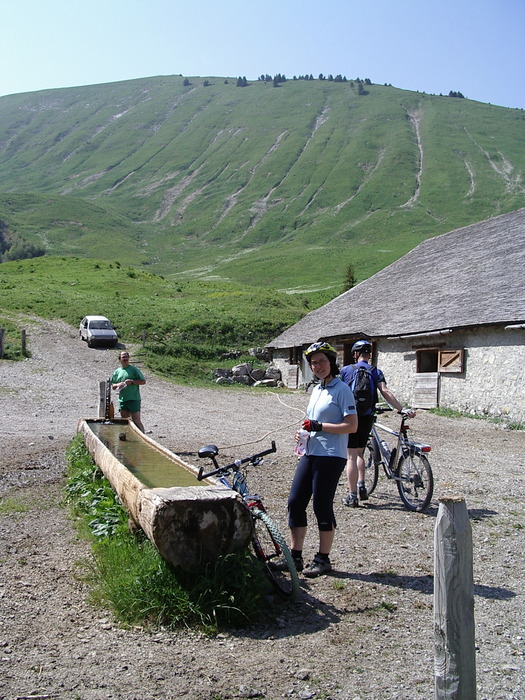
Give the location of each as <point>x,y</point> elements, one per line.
<point>300,445</point>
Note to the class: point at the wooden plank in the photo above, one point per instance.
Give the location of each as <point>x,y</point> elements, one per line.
<point>426,390</point>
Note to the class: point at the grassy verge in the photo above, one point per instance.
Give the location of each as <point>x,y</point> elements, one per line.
<point>128,576</point>
<point>12,340</point>
<point>185,328</point>
<point>452,413</point>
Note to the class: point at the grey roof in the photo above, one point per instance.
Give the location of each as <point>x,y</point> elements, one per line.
<point>469,277</point>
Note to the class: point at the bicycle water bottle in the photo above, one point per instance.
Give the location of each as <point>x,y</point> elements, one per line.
<point>385,448</point>
<point>300,445</point>
<point>392,460</point>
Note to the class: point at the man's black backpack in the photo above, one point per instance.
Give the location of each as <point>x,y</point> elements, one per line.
<point>364,388</point>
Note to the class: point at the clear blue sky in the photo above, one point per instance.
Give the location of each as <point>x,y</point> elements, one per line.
<point>434,46</point>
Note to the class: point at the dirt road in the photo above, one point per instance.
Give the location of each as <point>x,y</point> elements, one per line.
<point>365,632</point>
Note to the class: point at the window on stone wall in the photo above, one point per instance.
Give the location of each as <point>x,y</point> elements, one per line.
<point>440,360</point>
<point>451,360</point>
<point>295,356</point>
<point>427,361</point>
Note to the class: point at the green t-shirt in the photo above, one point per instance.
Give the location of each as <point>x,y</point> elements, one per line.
<point>131,392</point>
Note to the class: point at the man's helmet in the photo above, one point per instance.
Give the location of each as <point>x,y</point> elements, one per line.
<point>362,346</point>
<point>320,346</point>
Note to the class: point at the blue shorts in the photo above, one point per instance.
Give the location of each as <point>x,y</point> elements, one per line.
<point>318,477</point>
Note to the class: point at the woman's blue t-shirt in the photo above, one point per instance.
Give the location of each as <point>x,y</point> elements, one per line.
<point>330,404</point>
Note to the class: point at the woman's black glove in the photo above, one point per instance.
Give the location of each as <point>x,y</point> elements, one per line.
<point>312,426</point>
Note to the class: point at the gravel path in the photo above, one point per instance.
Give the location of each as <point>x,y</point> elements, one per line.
<point>365,632</point>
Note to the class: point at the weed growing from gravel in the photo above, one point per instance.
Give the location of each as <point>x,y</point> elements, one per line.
<point>11,505</point>
<point>127,574</point>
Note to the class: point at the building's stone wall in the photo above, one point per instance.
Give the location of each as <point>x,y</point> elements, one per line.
<point>493,378</point>
<point>492,381</point>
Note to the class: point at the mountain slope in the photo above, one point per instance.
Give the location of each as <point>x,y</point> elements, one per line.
<point>274,186</point>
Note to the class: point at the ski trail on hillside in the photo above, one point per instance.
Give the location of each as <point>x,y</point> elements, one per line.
<point>470,171</point>
<point>260,207</point>
<point>231,200</point>
<point>366,180</point>
<point>505,170</point>
<point>173,193</point>
<point>414,118</point>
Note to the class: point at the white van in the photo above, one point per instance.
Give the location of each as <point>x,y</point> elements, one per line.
<point>97,330</point>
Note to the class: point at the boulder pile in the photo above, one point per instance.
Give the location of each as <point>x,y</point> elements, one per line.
<point>246,374</point>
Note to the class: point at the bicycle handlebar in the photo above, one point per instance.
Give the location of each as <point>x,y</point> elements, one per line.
<point>236,464</point>
<point>385,409</point>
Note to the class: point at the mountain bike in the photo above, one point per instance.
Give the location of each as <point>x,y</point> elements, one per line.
<point>406,463</point>
<point>267,541</point>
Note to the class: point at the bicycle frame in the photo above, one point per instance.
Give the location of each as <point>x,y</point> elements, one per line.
<point>390,458</point>
<point>238,483</point>
<point>267,541</point>
<point>406,463</point>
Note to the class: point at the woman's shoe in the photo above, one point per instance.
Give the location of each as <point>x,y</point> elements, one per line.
<point>317,567</point>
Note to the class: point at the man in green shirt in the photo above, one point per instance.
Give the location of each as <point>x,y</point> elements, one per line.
<point>126,381</point>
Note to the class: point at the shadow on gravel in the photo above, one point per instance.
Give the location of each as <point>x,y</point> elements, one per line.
<point>432,510</point>
<point>480,513</point>
<point>494,592</point>
<point>424,584</point>
<point>308,615</point>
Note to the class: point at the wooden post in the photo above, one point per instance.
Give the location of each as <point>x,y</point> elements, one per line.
<point>2,331</point>
<point>102,400</point>
<point>454,639</point>
<point>24,343</point>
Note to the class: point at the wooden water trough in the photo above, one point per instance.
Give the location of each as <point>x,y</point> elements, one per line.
<point>190,522</point>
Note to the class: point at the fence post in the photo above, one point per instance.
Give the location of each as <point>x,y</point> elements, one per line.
<point>24,343</point>
<point>2,331</point>
<point>454,638</point>
<point>102,400</point>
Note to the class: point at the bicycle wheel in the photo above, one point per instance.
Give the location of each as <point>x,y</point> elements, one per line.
<point>371,468</point>
<point>269,544</point>
<point>415,481</point>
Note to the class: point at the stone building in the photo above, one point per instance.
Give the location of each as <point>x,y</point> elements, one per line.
<point>446,321</point>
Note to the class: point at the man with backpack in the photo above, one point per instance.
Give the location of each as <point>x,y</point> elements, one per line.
<point>364,379</point>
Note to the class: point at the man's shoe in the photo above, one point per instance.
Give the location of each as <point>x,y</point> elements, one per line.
<point>363,493</point>
<point>282,565</point>
<point>351,502</point>
<point>318,567</point>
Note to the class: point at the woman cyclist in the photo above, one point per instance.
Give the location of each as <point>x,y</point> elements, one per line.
<point>331,416</point>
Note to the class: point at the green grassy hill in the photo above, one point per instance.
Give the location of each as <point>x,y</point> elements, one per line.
<point>277,187</point>
<point>187,326</point>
